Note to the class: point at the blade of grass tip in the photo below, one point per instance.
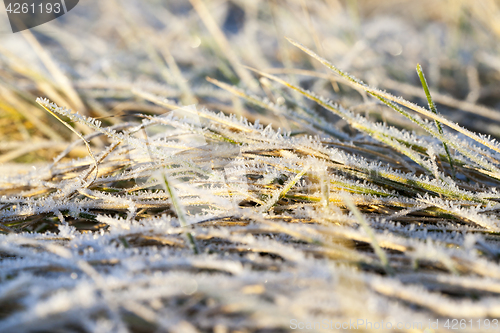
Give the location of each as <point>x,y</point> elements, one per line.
<point>155,99</point>
<point>96,167</point>
<point>366,227</point>
<point>488,143</point>
<point>495,172</point>
<point>433,108</point>
<point>280,194</point>
<point>179,211</point>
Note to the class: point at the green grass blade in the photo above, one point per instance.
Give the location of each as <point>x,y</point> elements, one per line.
<point>366,227</point>
<point>485,142</point>
<point>353,121</point>
<point>433,108</point>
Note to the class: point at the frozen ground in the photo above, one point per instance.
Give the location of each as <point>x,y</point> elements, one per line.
<point>342,212</point>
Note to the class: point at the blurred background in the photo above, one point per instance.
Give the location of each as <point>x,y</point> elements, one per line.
<point>97,57</point>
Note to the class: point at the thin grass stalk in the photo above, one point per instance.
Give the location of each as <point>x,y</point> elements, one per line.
<point>433,108</point>
<point>179,210</point>
<point>366,227</point>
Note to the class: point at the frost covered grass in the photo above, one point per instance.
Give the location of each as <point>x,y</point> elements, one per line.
<point>152,182</point>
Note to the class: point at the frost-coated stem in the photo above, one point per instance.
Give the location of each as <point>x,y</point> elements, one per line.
<point>179,210</point>
<point>366,227</point>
